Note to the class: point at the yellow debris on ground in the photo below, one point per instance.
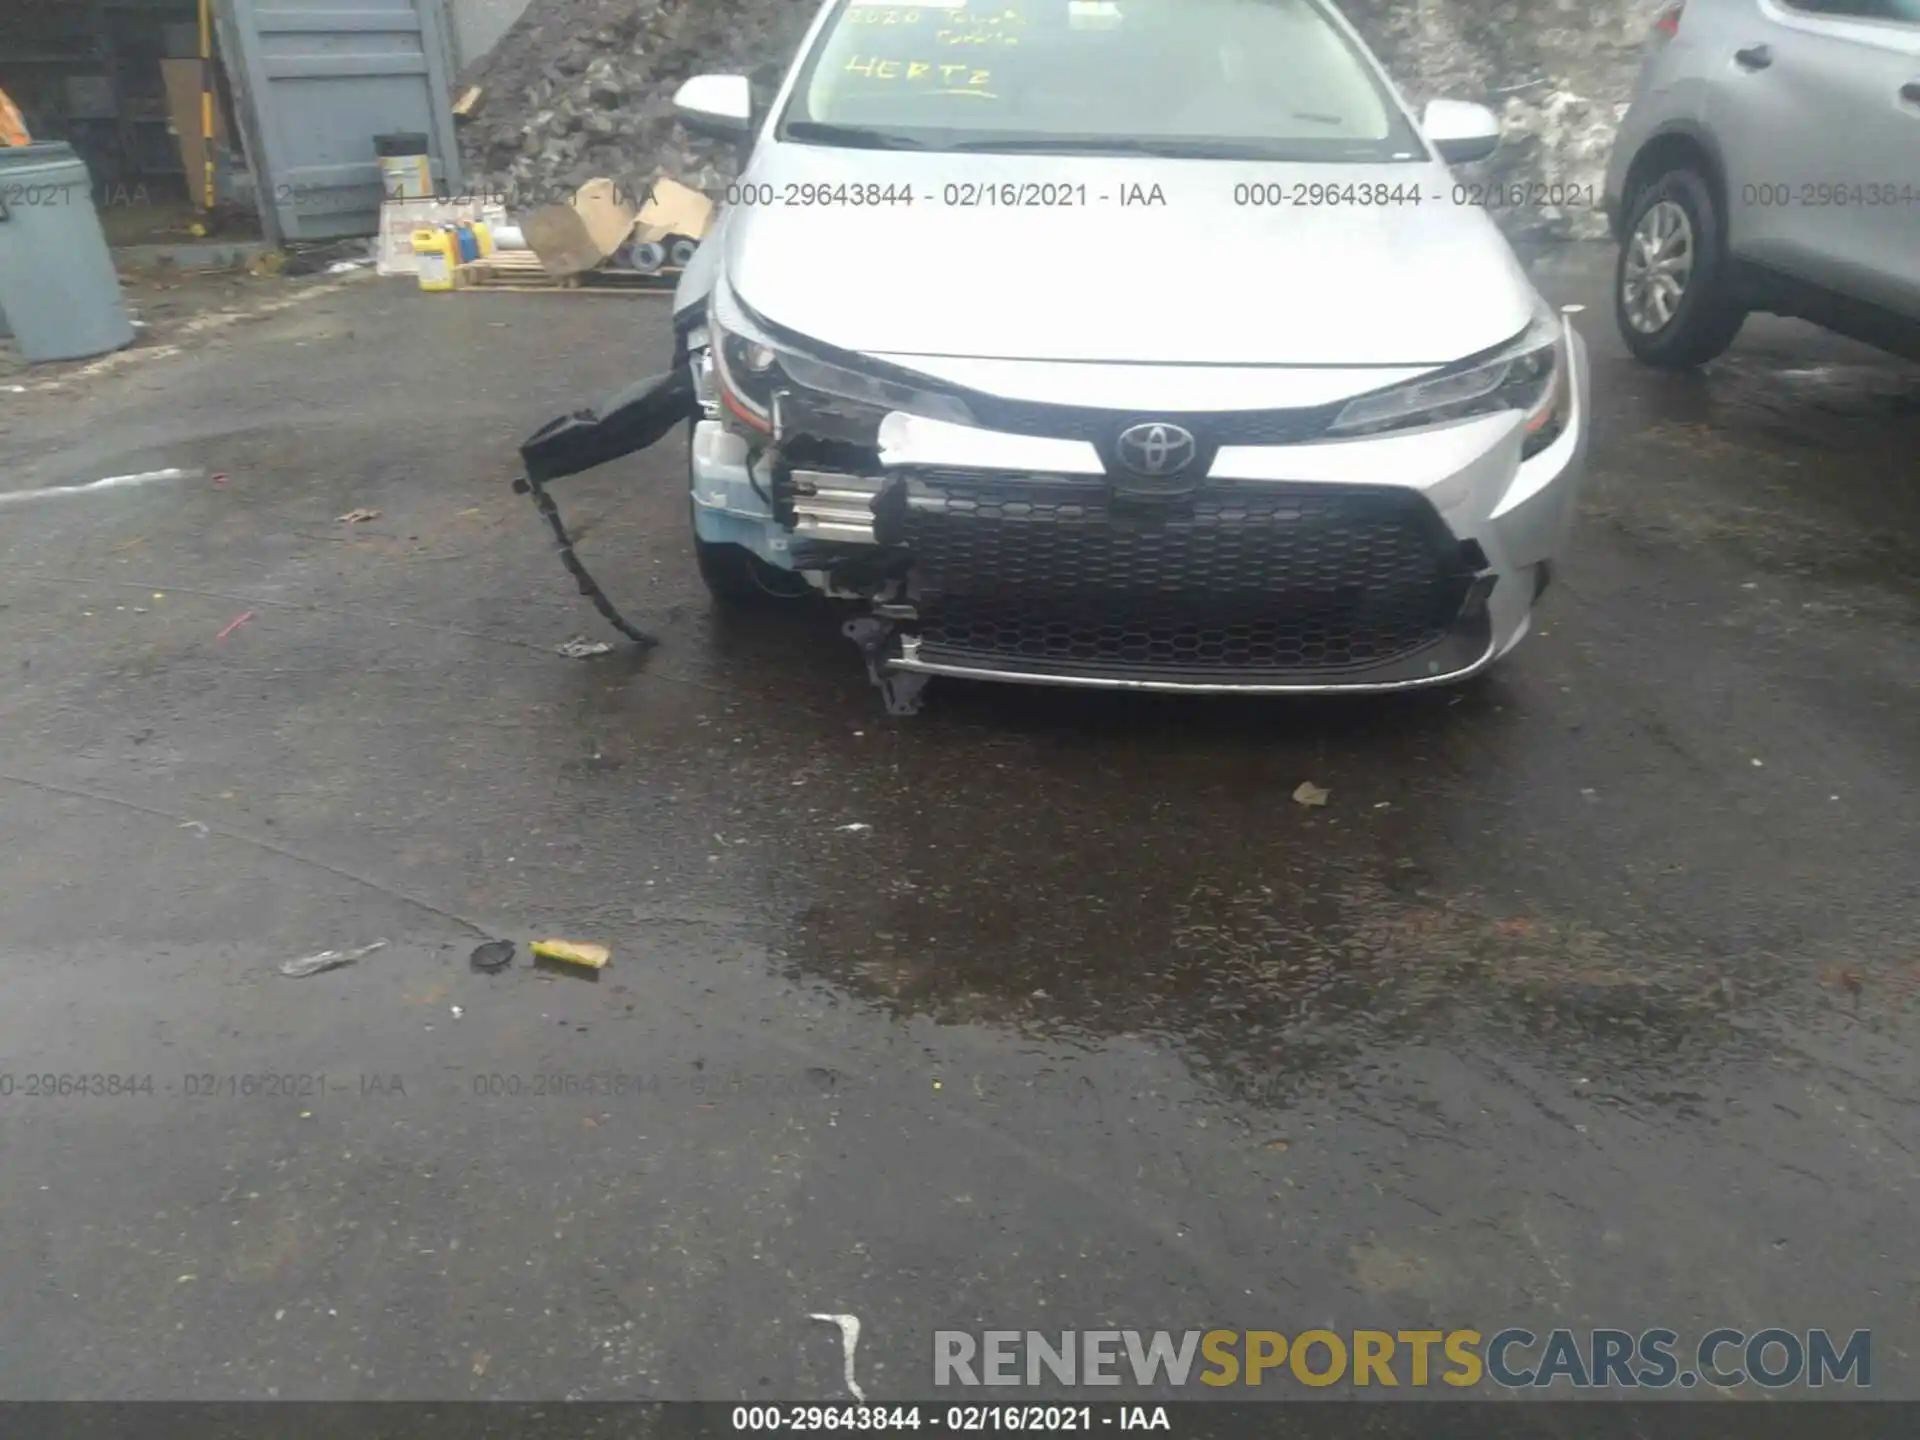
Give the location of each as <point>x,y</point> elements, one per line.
<point>573,952</point>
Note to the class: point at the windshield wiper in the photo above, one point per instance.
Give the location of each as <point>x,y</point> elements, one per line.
<point>1078,145</point>
<point>851,137</point>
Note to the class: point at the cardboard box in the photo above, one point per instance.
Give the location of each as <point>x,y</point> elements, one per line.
<point>601,219</point>
<point>579,236</point>
<point>674,209</point>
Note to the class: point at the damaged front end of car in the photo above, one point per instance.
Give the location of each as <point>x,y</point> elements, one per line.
<point>1049,543</point>
<point>1231,551</point>
<point>786,466</point>
<point>792,464</point>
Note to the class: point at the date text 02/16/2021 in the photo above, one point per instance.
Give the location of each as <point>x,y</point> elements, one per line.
<point>1056,194</point>
<point>958,1419</point>
<point>205,1085</point>
<point>1069,194</point>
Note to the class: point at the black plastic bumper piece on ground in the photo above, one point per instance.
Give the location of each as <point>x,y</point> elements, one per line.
<point>589,587</point>
<point>636,418</point>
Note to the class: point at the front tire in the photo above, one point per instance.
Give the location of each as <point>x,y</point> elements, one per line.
<point>1672,296</point>
<point>735,577</point>
<point>725,571</point>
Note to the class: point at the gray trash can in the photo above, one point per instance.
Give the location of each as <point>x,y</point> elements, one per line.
<point>58,286</point>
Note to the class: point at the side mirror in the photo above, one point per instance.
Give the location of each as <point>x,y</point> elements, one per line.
<point>719,105</point>
<point>1461,132</point>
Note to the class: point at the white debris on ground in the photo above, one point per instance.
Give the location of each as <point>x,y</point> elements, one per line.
<point>579,89</point>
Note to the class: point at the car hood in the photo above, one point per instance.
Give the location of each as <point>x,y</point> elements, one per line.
<point>1198,278</point>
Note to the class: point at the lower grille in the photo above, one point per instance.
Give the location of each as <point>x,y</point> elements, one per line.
<point>1165,645</point>
<point>1240,581</point>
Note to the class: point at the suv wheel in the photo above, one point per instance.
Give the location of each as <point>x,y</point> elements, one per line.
<point>1670,293</point>
<point>735,577</point>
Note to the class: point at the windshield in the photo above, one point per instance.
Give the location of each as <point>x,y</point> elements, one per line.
<point>1268,79</point>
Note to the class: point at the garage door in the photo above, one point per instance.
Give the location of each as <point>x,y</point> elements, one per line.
<point>321,78</point>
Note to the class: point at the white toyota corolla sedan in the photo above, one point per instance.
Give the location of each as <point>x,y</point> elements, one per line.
<point>1140,344</point>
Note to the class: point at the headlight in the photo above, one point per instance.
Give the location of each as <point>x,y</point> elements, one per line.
<point>1530,376</point>
<point>753,369</point>
<point>746,364</point>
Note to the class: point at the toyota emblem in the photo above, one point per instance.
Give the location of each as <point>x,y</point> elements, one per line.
<point>1156,449</point>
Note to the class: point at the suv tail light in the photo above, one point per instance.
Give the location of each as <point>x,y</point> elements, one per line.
<point>1667,23</point>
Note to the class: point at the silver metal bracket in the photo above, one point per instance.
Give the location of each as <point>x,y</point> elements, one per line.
<point>899,688</point>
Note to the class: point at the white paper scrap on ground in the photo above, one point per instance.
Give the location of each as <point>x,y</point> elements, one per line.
<point>112,482</point>
<point>849,1342</point>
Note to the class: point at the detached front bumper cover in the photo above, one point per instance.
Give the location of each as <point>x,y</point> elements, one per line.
<point>631,421</point>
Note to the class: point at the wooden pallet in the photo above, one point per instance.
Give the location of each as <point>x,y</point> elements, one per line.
<point>521,270</point>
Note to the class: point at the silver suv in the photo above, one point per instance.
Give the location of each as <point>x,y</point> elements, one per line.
<point>1770,162</point>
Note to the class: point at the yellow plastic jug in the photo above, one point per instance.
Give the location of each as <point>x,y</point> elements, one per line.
<point>438,251</point>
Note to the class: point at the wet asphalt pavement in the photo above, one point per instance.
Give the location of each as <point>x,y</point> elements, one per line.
<point>1587,999</point>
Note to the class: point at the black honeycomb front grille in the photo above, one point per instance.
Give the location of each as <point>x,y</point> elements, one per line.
<point>1238,582</point>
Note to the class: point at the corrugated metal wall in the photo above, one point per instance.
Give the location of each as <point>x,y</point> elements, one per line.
<point>321,78</point>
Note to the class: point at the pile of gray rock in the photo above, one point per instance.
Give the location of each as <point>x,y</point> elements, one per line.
<point>584,88</point>
<point>579,89</point>
<point>1558,72</point>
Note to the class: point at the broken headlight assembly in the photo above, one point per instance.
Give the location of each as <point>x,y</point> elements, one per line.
<point>1530,376</point>
<point>769,387</point>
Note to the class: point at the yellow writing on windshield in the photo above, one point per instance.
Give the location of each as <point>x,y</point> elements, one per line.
<point>948,79</point>
<point>996,27</point>
<point>957,27</point>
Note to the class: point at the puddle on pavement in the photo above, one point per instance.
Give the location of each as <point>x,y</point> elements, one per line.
<point>1268,991</point>
<point>1783,458</point>
<point>1271,953</point>
<point>1090,871</point>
